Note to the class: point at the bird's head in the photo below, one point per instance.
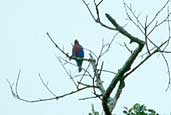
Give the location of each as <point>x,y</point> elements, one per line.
<point>76,42</point>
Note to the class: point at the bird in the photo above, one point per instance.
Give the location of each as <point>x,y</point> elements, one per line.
<point>78,53</point>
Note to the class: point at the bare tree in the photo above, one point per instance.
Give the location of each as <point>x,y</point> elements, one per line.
<point>146,48</point>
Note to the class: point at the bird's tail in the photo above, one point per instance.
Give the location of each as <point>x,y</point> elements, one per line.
<point>79,69</point>
<point>79,64</point>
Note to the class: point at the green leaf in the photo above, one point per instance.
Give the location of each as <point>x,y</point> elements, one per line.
<point>125,112</point>
<point>151,110</point>
<point>136,108</point>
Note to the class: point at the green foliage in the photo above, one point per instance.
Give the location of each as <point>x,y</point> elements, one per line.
<point>138,109</point>
<point>93,111</point>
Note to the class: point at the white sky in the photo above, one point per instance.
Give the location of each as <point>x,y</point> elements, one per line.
<point>24,45</point>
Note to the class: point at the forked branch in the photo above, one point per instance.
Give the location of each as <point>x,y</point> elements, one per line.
<point>14,91</point>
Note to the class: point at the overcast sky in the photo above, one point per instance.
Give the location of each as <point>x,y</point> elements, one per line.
<point>24,45</point>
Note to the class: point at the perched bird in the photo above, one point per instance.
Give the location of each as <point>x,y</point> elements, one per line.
<point>78,52</point>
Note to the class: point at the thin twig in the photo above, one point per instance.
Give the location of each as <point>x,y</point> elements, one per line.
<point>46,86</point>
<point>159,11</point>
<point>16,87</point>
<point>86,98</point>
<point>11,87</point>
<point>146,37</point>
<point>168,70</point>
<point>97,13</point>
<point>84,74</point>
<point>109,44</point>
<point>127,48</point>
<point>138,24</point>
<point>108,71</point>
<point>70,76</point>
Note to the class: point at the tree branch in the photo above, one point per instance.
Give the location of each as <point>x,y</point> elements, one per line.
<point>124,32</point>
<point>66,54</point>
<point>16,94</point>
<point>126,67</point>
<point>97,20</point>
